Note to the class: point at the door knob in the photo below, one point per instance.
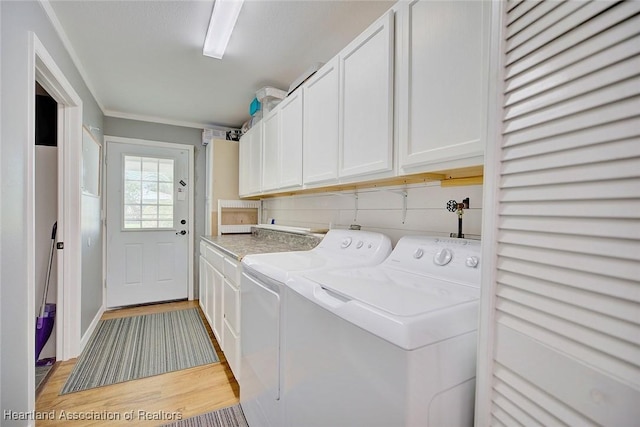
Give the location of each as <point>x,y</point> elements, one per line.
<point>181,232</point>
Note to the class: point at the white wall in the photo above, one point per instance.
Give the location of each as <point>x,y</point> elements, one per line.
<point>380,209</point>
<point>18,19</point>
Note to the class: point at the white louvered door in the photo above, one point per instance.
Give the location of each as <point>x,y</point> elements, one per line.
<point>559,340</point>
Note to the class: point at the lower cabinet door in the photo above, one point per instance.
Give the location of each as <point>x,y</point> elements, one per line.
<point>202,287</point>
<point>217,303</point>
<point>232,305</point>
<point>232,349</point>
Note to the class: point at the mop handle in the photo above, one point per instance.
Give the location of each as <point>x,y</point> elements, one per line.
<point>46,286</point>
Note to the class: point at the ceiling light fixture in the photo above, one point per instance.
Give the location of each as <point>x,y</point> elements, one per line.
<point>223,19</point>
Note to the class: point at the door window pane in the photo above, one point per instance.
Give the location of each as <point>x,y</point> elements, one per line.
<point>148,193</point>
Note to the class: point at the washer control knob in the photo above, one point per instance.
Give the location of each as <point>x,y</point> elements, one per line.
<point>418,253</point>
<point>359,244</point>
<point>472,261</point>
<point>345,242</point>
<point>443,257</point>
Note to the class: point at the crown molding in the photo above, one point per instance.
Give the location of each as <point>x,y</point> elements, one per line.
<point>161,120</point>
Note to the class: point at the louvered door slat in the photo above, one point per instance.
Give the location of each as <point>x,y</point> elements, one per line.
<point>519,8</point>
<point>571,104</point>
<point>618,288</point>
<point>569,15</point>
<point>544,18</point>
<point>571,209</point>
<point>530,18</point>
<point>503,418</point>
<point>614,190</point>
<point>561,413</point>
<point>624,169</point>
<point>598,153</point>
<point>619,330</point>
<point>604,134</point>
<point>515,411</point>
<point>619,375</point>
<point>621,110</point>
<point>586,69</point>
<point>531,99</point>
<point>560,331</point>
<point>535,415</point>
<point>597,302</point>
<point>581,34</point>
<point>571,242</point>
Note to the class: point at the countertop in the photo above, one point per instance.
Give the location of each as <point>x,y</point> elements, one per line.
<point>261,241</point>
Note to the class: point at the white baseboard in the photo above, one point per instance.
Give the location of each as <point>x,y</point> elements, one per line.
<point>91,328</point>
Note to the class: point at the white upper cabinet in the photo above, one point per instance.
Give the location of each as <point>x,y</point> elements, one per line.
<point>250,164</point>
<point>270,150</point>
<point>443,84</point>
<point>282,145</point>
<point>366,101</point>
<point>321,114</point>
<point>243,165</point>
<point>290,160</point>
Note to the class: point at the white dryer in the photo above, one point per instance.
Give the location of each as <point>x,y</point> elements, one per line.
<point>387,345</point>
<point>263,315</point>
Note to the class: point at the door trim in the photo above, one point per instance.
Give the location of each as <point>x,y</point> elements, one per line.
<point>191,197</point>
<point>43,69</point>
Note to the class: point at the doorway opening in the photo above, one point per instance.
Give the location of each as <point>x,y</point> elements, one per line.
<point>46,218</point>
<point>43,70</point>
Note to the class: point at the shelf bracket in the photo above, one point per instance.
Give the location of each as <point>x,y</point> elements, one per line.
<point>350,196</point>
<point>405,196</point>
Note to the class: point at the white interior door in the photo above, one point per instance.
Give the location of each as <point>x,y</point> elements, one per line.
<point>147,223</point>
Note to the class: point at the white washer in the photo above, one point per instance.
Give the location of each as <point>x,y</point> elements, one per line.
<point>388,345</point>
<point>263,315</point>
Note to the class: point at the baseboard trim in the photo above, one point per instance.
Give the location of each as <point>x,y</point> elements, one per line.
<point>91,328</point>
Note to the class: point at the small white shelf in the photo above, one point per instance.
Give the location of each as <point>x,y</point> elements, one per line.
<point>237,204</point>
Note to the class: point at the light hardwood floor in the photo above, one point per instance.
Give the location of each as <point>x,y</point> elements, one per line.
<point>182,393</point>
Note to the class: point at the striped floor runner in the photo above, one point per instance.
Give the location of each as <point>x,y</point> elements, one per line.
<point>231,416</point>
<point>129,348</point>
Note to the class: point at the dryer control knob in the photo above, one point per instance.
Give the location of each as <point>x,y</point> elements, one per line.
<point>472,261</point>
<point>443,257</point>
<point>345,242</point>
<point>418,253</point>
<point>359,244</point>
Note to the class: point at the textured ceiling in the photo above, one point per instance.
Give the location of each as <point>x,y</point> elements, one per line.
<point>144,58</point>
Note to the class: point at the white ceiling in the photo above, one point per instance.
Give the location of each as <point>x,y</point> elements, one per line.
<point>144,59</point>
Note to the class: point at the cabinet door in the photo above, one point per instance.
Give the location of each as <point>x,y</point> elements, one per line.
<point>291,142</point>
<point>443,82</point>
<point>255,159</point>
<point>217,284</point>
<point>243,165</point>
<point>366,101</point>
<point>320,125</point>
<point>202,287</point>
<point>270,151</point>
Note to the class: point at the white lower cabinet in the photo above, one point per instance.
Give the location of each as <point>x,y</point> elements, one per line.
<point>231,331</point>
<point>220,300</point>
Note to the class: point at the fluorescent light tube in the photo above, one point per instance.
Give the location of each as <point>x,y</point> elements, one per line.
<point>223,19</point>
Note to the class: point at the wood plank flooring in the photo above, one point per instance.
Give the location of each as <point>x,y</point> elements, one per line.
<point>145,402</point>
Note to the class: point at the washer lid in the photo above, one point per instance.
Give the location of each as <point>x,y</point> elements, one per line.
<point>406,309</point>
<point>395,292</point>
